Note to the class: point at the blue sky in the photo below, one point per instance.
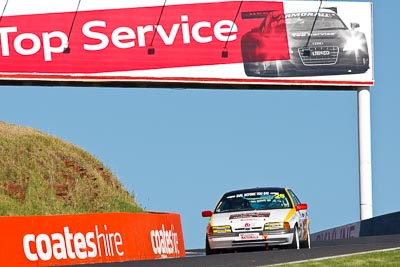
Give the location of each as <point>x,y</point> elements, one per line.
<point>178,150</point>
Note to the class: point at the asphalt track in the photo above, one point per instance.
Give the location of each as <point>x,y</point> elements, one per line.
<point>260,258</point>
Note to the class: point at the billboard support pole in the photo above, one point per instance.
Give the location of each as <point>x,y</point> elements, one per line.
<point>364,150</point>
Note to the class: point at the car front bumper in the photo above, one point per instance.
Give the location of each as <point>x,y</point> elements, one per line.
<point>258,239</point>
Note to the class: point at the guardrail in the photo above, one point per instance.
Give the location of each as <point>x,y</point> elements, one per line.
<point>89,238</point>
<point>387,224</point>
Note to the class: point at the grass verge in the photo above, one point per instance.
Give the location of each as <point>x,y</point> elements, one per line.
<point>43,175</point>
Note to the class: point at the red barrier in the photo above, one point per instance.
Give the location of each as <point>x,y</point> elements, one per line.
<point>89,238</point>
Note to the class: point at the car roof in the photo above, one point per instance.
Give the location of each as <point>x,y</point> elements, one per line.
<point>239,191</point>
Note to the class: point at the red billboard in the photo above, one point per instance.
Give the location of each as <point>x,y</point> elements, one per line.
<point>89,238</point>
<point>224,42</point>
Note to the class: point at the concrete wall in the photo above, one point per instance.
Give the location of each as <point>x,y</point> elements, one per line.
<point>388,224</point>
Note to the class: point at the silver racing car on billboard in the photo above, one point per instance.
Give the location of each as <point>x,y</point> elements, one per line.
<point>319,43</point>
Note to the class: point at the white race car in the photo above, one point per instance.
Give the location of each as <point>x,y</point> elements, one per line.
<point>258,217</point>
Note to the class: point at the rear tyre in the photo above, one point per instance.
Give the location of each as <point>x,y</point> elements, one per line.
<point>306,243</point>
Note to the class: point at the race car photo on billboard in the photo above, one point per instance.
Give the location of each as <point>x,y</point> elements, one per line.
<point>265,218</point>
<point>319,43</point>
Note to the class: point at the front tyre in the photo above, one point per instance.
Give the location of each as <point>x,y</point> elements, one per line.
<point>209,251</point>
<point>296,240</point>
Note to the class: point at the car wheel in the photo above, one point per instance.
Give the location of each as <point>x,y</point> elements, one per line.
<point>209,251</point>
<point>306,243</point>
<point>296,241</point>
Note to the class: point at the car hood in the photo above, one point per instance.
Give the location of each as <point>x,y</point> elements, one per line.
<point>249,219</point>
<point>317,34</point>
<point>337,37</point>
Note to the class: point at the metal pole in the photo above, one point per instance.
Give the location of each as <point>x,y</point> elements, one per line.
<point>364,150</point>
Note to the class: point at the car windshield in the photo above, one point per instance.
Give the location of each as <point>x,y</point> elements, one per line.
<point>254,200</point>
<point>303,21</point>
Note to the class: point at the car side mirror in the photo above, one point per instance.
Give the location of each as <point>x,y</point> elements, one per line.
<point>301,207</point>
<point>206,213</point>
<point>354,25</point>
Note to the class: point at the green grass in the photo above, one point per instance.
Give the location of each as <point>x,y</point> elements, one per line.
<point>43,175</point>
<point>375,259</point>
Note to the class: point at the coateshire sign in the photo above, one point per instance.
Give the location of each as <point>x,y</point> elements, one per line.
<point>89,238</point>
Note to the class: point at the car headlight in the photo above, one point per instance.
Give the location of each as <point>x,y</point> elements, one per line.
<point>221,229</point>
<point>354,43</point>
<point>276,226</point>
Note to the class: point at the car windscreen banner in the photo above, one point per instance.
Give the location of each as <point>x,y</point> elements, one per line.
<point>197,41</point>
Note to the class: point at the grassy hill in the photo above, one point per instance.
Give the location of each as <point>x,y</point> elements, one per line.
<point>43,175</point>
